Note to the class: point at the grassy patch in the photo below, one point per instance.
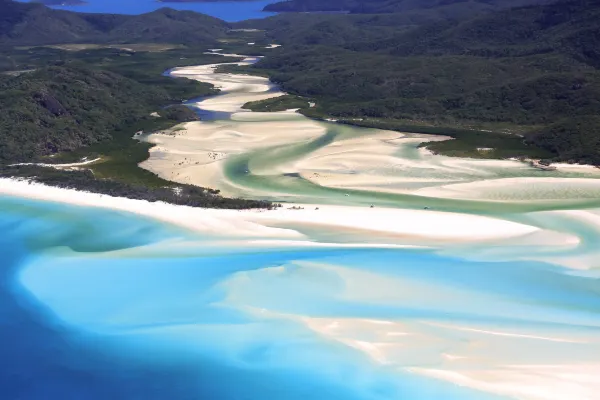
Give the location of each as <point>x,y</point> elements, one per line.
<point>477,144</point>
<point>240,69</point>
<point>122,154</point>
<point>280,103</point>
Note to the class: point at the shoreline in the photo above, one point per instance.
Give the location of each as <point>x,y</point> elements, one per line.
<point>399,227</point>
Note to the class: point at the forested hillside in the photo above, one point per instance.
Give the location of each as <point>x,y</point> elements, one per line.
<point>90,103</point>
<point>456,7</point>
<point>36,24</point>
<point>64,108</point>
<point>530,70</point>
<point>54,100</point>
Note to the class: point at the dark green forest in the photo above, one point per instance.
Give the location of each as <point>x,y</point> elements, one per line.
<point>531,71</point>
<point>450,7</point>
<point>76,109</point>
<point>281,103</point>
<point>66,100</point>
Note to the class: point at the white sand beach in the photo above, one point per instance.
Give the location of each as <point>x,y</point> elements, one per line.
<point>409,226</point>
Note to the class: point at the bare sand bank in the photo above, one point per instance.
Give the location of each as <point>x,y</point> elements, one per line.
<point>518,189</point>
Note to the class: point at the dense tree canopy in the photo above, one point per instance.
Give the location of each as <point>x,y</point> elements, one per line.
<point>532,68</point>
<point>63,108</point>
<point>463,7</point>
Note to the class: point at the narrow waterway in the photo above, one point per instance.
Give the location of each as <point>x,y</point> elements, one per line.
<point>285,156</point>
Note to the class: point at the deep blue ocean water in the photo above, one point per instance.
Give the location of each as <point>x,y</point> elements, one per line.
<point>228,11</point>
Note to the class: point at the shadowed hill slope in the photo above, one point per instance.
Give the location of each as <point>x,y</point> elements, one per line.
<point>64,108</point>
<point>462,7</point>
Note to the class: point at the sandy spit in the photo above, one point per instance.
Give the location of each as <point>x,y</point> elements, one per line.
<point>273,224</point>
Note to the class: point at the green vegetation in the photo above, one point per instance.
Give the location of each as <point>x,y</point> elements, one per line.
<point>85,96</point>
<point>531,71</point>
<point>479,144</point>
<point>460,7</point>
<point>122,153</point>
<point>522,81</point>
<point>575,139</point>
<point>473,143</point>
<point>281,103</point>
<point>240,69</point>
<point>64,108</point>
<point>131,47</point>
<point>35,24</point>
<point>91,103</point>
<point>92,114</point>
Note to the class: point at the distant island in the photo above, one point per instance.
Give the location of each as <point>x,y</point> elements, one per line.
<point>197,1</point>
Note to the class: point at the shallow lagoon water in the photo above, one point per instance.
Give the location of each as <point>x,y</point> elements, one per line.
<point>88,313</point>
<point>97,303</point>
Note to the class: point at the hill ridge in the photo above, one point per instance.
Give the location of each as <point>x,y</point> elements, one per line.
<point>36,24</point>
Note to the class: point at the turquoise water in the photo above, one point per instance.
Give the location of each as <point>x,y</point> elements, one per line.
<point>98,304</point>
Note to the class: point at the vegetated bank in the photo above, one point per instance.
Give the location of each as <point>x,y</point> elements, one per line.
<point>524,81</point>
<point>279,103</point>
<point>63,105</point>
